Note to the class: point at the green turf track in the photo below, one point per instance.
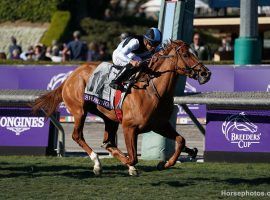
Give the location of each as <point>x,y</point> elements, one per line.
<point>71,178</point>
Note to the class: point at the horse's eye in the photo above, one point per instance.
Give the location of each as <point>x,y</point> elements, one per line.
<point>185,55</point>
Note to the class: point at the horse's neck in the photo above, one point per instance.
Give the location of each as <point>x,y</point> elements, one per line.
<point>165,84</point>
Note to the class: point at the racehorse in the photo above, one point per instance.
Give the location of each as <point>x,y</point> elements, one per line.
<point>147,106</point>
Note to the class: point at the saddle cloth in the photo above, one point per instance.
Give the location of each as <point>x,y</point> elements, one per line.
<point>98,90</point>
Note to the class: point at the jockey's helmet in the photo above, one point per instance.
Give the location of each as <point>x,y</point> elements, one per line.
<point>154,36</point>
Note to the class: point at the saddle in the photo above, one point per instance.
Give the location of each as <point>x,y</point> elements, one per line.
<point>98,90</point>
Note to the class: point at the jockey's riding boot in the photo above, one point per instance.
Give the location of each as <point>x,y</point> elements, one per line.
<point>123,75</point>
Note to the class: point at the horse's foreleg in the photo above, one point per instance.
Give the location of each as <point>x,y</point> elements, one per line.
<point>131,145</point>
<point>168,131</point>
<point>77,136</point>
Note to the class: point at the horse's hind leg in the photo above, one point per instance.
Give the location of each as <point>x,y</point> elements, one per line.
<point>109,144</point>
<point>78,137</point>
<point>111,128</point>
<point>191,152</point>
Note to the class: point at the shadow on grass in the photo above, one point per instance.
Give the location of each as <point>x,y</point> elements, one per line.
<point>63,170</point>
<point>254,181</point>
<point>147,168</point>
<point>4,163</point>
<point>173,183</point>
<point>234,181</point>
<point>214,181</point>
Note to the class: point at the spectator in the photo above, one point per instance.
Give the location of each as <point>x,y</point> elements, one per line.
<point>103,54</point>
<point>203,51</point>
<point>76,49</point>
<point>53,52</point>
<point>15,54</point>
<point>108,15</point>
<point>56,54</point>
<point>93,52</point>
<point>3,56</point>
<point>14,46</point>
<point>40,53</point>
<point>140,13</point>
<point>225,45</point>
<point>28,55</point>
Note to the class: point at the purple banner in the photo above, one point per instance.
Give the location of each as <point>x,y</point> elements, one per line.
<point>238,131</point>
<point>224,78</point>
<point>35,78</point>
<point>252,78</point>
<point>19,128</point>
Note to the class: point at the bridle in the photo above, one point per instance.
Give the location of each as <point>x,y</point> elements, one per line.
<point>188,70</point>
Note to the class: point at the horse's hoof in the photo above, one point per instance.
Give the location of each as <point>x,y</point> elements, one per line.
<point>97,171</point>
<point>161,165</point>
<point>194,153</point>
<point>132,171</point>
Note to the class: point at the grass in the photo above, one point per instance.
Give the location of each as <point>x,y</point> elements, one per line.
<point>71,178</point>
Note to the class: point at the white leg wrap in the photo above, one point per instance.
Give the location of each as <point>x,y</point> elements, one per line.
<point>132,168</point>
<point>132,171</point>
<point>95,159</point>
<point>97,166</point>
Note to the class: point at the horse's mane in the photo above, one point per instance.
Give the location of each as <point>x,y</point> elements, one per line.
<point>157,59</point>
<point>166,49</point>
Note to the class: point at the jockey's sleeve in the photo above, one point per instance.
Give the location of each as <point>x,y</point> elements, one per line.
<point>123,52</point>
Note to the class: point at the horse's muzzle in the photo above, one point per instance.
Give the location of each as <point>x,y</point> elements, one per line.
<point>204,77</point>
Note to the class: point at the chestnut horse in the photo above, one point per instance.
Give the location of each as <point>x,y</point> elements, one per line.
<point>148,105</point>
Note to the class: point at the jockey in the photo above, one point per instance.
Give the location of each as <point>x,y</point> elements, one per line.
<point>131,51</point>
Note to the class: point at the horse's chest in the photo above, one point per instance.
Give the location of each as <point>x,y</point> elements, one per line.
<point>163,110</point>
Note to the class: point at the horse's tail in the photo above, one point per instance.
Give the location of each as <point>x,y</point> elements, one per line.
<point>49,102</point>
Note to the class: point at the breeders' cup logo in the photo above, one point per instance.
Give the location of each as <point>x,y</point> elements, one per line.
<point>188,89</point>
<point>56,81</point>
<point>21,124</point>
<point>240,130</point>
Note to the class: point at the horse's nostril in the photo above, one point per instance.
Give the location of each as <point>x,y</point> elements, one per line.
<point>203,74</point>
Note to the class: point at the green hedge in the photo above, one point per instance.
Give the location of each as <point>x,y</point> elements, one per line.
<point>29,10</point>
<point>108,31</point>
<point>58,27</point>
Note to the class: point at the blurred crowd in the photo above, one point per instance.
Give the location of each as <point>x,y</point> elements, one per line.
<point>204,52</point>
<point>78,50</point>
<point>75,50</point>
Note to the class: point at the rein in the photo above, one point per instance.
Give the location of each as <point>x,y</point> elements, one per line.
<point>189,69</point>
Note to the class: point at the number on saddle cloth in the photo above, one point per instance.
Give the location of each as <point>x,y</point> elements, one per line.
<point>98,90</point>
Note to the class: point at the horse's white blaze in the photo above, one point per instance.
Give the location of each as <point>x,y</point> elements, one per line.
<point>95,159</point>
